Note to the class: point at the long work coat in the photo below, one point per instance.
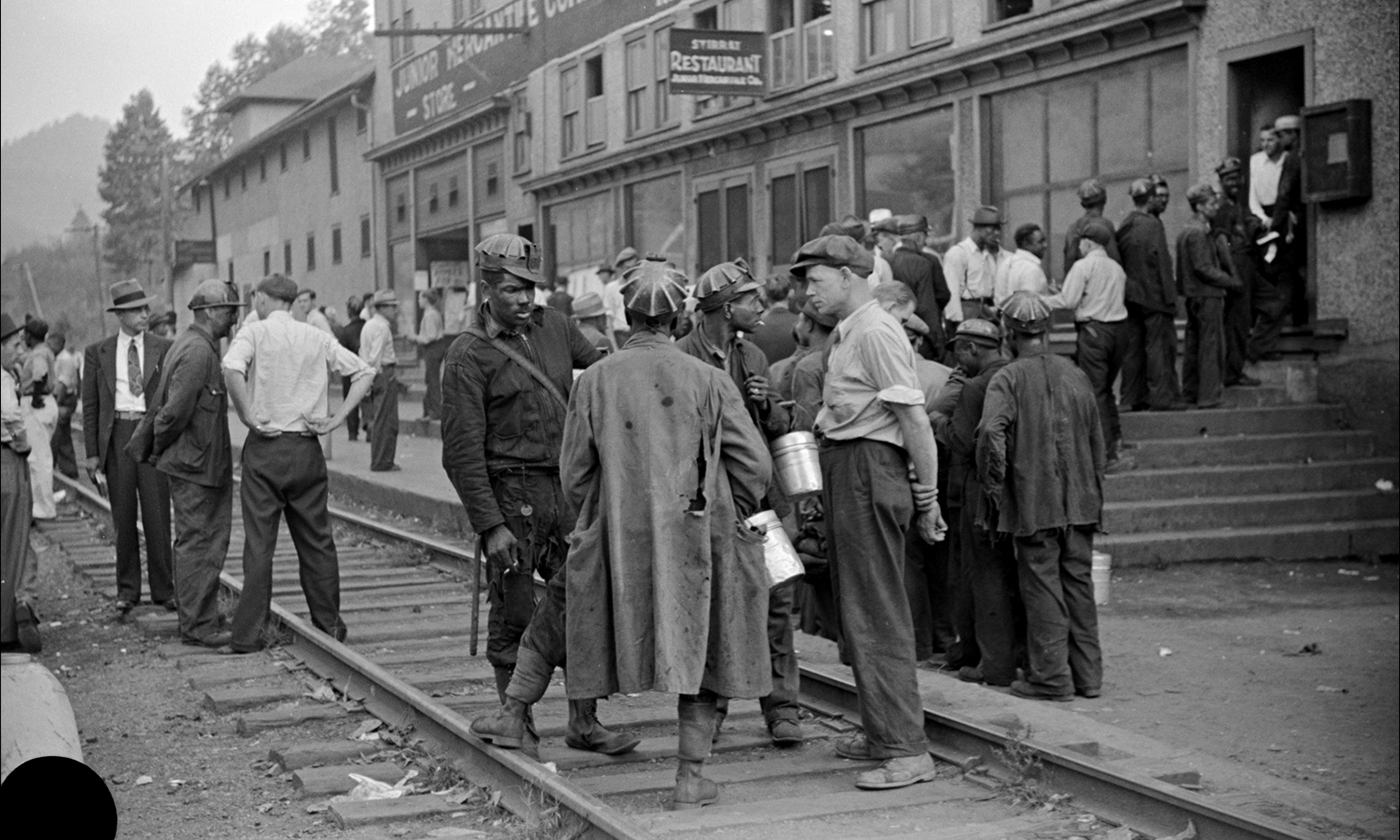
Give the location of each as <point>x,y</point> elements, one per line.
<point>666,586</point>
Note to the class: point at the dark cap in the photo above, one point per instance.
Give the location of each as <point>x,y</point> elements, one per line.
<point>979,331</point>
<point>628,254</point>
<point>279,287</point>
<point>835,251</point>
<point>7,326</point>
<point>1228,165</point>
<point>849,225</point>
<point>1097,230</point>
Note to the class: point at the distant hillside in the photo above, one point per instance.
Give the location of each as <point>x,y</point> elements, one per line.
<point>45,176</point>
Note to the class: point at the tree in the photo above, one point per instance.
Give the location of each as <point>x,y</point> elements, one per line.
<point>333,27</point>
<point>130,182</point>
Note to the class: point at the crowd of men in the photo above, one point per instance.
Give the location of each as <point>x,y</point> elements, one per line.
<point>616,445</point>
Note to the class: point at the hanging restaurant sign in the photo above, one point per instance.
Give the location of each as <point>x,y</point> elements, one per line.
<point>717,62</point>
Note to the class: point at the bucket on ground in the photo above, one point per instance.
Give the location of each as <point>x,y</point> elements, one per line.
<point>1102,572</point>
<point>779,557</point>
<point>796,463</point>
<point>38,718</point>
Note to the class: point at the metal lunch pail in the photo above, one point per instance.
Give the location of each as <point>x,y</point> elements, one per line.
<point>779,557</point>
<point>795,461</point>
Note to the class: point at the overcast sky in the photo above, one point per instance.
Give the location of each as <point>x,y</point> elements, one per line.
<point>58,57</point>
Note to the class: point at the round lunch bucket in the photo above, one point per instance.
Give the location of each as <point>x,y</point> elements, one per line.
<point>1102,572</point>
<point>795,461</point>
<point>779,557</point>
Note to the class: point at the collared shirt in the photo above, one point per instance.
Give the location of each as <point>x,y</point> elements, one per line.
<point>1021,273</point>
<point>613,303</point>
<point>125,400</point>
<point>1199,272</point>
<point>431,328</point>
<point>11,420</point>
<point>318,320</point>
<point>1094,289</point>
<point>971,273</point>
<point>377,342</point>
<point>870,367</point>
<point>882,273</point>
<point>1072,237</point>
<point>740,359</point>
<point>287,363</point>
<point>1263,182</point>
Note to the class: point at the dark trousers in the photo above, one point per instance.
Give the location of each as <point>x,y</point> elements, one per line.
<point>961,644</point>
<point>1149,359</point>
<point>1100,348</point>
<point>16,513</point>
<point>352,418</point>
<point>1203,369</point>
<point>384,419</point>
<point>998,617</point>
<point>286,475</point>
<point>203,519</point>
<point>65,459</point>
<point>866,488</point>
<point>1272,304</point>
<point>1062,623</point>
<point>128,482</point>
<point>433,355</point>
<point>1238,317</point>
<point>533,505</point>
<point>919,575</point>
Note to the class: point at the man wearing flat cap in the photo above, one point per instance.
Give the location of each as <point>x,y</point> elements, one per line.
<point>118,373</point>
<point>1094,290</point>
<point>277,371</point>
<point>381,408</point>
<point>971,267</point>
<point>872,426</point>
<point>1204,281</point>
<point>901,241</point>
<point>190,444</point>
<point>1237,229</point>
<point>663,464</point>
<point>1149,354</point>
<point>1093,197</point>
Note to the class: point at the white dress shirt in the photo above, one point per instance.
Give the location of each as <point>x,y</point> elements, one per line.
<point>1021,273</point>
<point>1263,182</point>
<point>970,273</point>
<point>377,342</point>
<point>126,401</point>
<point>1094,289</point>
<point>882,273</point>
<point>318,320</point>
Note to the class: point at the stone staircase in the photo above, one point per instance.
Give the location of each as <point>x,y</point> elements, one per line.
<point>1272,474</point>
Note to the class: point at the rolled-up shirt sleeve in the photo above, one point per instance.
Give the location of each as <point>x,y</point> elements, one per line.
<point>240,352</point>
<point>889,362</point>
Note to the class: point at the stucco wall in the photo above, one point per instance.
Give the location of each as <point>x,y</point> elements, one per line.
<point>1354,56</point>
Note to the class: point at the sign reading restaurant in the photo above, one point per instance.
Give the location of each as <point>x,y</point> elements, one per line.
<point>460,71</point>
<point>717,62</point>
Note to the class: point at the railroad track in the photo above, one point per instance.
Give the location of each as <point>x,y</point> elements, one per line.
<point>406,660</point>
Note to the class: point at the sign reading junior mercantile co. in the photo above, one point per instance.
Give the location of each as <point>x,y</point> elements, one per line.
<point>717,62</point>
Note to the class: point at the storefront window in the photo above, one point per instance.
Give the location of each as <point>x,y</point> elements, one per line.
<point>579,233</point>
<point>907,167</point>
<point>656,217</point>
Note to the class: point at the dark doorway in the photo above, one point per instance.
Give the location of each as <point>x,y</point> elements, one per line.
<point>1261,89</point>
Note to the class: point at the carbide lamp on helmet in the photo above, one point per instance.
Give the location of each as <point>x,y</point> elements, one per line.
<point>1026,313</point>
<point>653,288</point>
<point>512,254</point>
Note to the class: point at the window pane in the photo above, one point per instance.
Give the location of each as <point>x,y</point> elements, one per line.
<point>816,202</point>
<point>1025,208</point>
<point>1021,115</point>
<point>568,89</point>
<point>907,167</point>
<point>710,238</point>
<point>1064,209</point>
<point>818,36</point>
<point>580,232</point>
<point>784,58</point>
<point>1170,119</point>
<point>879,27</point>
<point>487,159</point>
<point>1123,129</point>
<point>736,222</point>
<point>928,20</point>
<point>638,64</point>
<point>1003,9</point>
<point>1071,109</point>
<point>783,211</point>
<point>782,15</point>
<point>655,214</point>
<point>661,54</point>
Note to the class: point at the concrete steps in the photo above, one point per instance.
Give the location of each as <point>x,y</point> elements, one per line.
<point>1272,474</point>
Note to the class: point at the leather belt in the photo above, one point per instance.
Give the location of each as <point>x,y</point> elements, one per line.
<point>131,415</point>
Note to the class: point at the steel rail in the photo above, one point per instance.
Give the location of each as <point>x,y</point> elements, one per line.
<point>395,701</point>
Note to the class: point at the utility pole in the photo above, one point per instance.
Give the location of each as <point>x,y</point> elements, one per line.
<point>38,307</point>
<point>165,233</point>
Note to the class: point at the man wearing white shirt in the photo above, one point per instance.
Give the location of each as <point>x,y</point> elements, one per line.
<point>1265,167</point>
<point>970,268</point>
<point>1023,272</point>
<point>305,310</point>
<point>612,293</point>
<point>377,351</point>
<point>277,372</point>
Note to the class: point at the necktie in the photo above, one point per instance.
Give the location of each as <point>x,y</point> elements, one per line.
<point>133,369</point>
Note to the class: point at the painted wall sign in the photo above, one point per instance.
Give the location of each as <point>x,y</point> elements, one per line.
<point>718,62</point>
<point>461,71</point>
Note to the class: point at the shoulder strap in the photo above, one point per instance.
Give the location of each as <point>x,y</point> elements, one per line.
<point>477,332</point>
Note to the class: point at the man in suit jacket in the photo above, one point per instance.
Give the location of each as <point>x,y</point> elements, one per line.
<point>118,373</point>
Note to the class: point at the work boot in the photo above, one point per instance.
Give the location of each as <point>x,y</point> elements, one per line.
<point>586,733</point>
<point>697,725</point>
<point>520,686</point>
<point>504,727</point>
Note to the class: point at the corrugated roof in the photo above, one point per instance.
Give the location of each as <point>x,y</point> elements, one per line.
<point>306,79</point>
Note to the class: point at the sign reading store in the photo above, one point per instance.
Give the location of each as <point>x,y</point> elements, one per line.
<point>464,70</point>
<point>713,62</point>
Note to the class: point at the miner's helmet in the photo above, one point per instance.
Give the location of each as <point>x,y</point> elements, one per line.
<point>512,254</point>
<point>724,283</point>
<point>653,288</point>
<point>1026,313</point>
<point>212,293</point>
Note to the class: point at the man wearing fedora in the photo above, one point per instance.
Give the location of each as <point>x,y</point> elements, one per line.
<point>118,372</point>
<point>382,405</point>
<point>592,318</point>
<point>190,444</point>
<point>971,268</point>
<point>902,239</point>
